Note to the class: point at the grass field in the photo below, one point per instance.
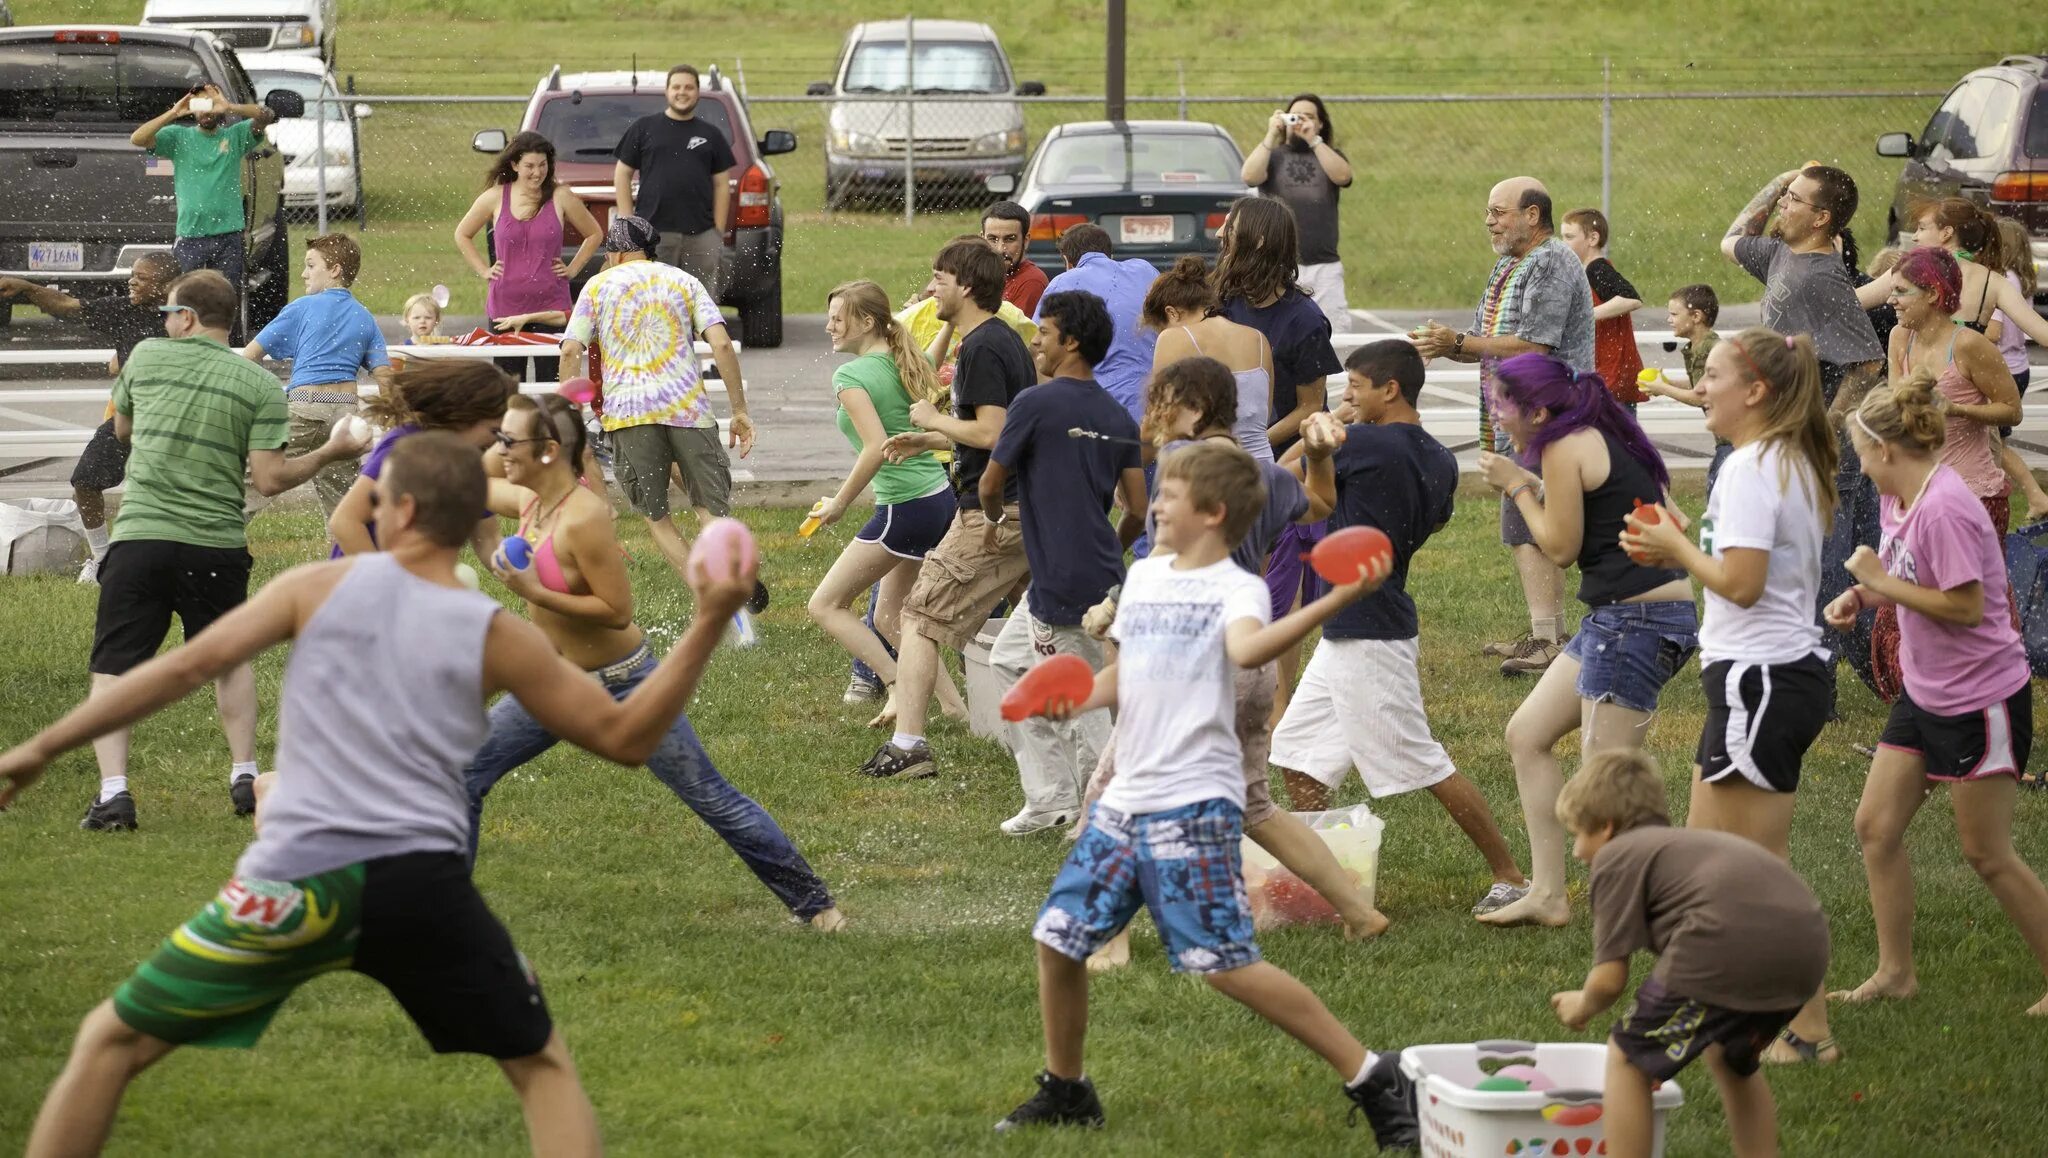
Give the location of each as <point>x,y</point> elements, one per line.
<point>704,1024</point>
<point>1411,224</point>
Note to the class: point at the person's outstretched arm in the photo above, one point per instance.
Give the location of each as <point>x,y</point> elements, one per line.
<point>1253,644</point>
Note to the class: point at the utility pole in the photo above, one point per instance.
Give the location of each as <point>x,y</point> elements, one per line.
<point>1114,104</point>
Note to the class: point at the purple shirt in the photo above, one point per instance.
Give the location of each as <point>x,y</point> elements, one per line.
<point>373,467</point>
<point>1944,542</point>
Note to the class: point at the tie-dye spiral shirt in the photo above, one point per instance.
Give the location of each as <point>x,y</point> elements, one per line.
<point>646,317</point>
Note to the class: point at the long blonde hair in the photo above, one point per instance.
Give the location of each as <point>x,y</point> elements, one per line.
<point>865,300</point>
<point>2016,255</point>
<point>1795,413</point>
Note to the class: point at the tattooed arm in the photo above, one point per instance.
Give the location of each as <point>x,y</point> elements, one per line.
<point>1750,222</point>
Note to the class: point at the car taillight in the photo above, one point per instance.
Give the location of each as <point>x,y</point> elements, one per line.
<point>1049,226</point>
<point>1213,225</point>
<point>87,36</point>
<point>755,208</point>
<point>2020,187</point>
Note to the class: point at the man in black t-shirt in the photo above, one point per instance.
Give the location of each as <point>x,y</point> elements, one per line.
<point>682,162</point>
<point>981,558</point>
<point>124,323</point>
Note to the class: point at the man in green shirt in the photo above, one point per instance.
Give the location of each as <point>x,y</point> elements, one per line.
<point>196,415</point>
<point>206,175</point>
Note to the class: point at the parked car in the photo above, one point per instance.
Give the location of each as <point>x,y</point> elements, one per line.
<point>585,114</point>
<point>1161,188</point>
<point>1988,142</point>
<point>329,124</point>
<point>954,145</point>
<point>254,25</point>
<point>82,203</point>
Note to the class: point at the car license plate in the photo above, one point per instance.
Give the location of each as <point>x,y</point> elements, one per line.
<point>1146,230</point>
<point>56,256</point>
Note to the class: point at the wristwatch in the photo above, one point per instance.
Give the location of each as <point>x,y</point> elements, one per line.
<point>1000,518</point>
<point>1458,343</point>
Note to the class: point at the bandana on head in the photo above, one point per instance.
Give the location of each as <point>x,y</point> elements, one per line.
<point>627,234</point>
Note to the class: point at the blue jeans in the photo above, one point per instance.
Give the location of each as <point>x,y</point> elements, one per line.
<point>218,251</point>
<point>681,763</point>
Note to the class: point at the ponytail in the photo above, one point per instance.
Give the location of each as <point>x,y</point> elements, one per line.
<point>1906,413</point>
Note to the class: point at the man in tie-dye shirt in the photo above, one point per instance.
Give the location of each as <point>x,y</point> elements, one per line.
<point>646,317</point>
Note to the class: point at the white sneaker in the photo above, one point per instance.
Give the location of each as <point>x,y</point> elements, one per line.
<point>1030,820</point>
<point>90,573</point>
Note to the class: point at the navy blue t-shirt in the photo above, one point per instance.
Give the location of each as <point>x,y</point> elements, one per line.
<point>1399,479</point>
<point>1065,486</point>
<point>1300,336</point>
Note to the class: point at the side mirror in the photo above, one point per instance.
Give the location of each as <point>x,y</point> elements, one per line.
<point>818,88</point>
<point>1031,88</point>
<point>489,141</point>
<point>1895,145</point>
<point>363,112</point>
<point>284,102</point>
<point>778,142</point>
<point>1001,184</point>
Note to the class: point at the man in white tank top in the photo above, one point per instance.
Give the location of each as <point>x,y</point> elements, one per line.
<point>360,859</point>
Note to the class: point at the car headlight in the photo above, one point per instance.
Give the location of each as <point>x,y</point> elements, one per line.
<point>300,35</point>
<point>849,142</point>
<point>1007,141</point>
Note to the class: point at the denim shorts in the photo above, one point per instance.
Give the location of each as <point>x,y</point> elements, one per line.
<point>910,528</point>
<point>1627,652</point>
<point>1183,864</point>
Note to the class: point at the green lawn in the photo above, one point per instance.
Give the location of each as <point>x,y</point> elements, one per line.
<point>1411,224</point>
<point>704,1024</point>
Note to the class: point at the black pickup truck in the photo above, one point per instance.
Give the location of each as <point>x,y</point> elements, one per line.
<point>78,203</point>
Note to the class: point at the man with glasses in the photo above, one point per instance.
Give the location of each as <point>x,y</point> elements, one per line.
<point>125,322</point>
<point>1536,299</point>
<point>196,416</point>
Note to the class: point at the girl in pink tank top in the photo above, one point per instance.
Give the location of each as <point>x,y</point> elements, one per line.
<point>527,286</point>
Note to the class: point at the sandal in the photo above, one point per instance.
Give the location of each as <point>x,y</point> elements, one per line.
<point>2034,780</point>
<point>1821,1053</point>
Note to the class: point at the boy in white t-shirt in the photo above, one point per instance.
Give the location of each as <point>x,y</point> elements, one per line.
<point>1166,833</point>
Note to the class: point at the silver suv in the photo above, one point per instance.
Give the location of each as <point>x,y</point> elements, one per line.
<point>953,145</point>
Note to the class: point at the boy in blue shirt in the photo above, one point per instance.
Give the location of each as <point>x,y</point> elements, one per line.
<point>327,336</point>
<point>1166,833</point>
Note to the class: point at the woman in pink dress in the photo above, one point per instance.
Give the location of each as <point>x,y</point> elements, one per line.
<point>528,283</point>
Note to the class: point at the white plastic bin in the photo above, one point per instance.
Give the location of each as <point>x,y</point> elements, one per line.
<point>984,690</point>
<point>1459,1121</point>
<point>1279,898</point>
<point>41,537</point>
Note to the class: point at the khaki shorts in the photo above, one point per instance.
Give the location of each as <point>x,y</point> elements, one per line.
<point>701,255</point>
<point>642,456</point>
<point>962,579</point>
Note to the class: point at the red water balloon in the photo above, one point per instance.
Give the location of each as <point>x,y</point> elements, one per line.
<point>1062,678</point>
<point>1345,556</point>
<point>578,390</point>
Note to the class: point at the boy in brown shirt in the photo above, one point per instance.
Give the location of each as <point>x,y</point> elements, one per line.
<point>1740,943</point>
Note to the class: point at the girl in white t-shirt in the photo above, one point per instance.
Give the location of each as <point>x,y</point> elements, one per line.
<point>1762,665</point>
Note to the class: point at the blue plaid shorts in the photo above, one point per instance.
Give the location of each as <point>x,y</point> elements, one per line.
<point>1182,864</point>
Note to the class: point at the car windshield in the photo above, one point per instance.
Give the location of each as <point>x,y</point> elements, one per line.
<point>942,66</point>
<point>72,85</point>
<point>588,128</point>
<point>1159,160</point>
<point>321,100</point>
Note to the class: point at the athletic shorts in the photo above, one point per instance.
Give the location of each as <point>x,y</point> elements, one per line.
<point>143,582</point>
<point>910,529</point>
<point>643,455</point>
<point>1761,719</point>
<point>1289,578</point>
<point>1664,1032</point>
<point>963,578</point>
<point>1994,741</point>
<point>1359,706</point>
<point>1184,865</point>
<point>104,464</point>
<point>413,923</point>
<point>1627,652</point>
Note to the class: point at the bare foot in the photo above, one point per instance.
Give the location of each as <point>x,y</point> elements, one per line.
<point>1878,988</point>
<point>1375,923</point>
<point>1112,956</point>
<point>958,715</point>
<point>1530,910</point>
<point>2039,1008</point>
<point>886,718</point>
<point>829,921</point>
<point>2036,511</point>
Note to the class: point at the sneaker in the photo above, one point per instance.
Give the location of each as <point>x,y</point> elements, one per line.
<point>1387,1099</point>
<point>1532,656</point>
<point>1030,820</point>
<point>243,794</point>
<point>862,689</point>
<point>889,761</point>
<point>111,815</point>
<point>1502,649</point>
<point>758,601</point>
<point>90,573</point>
<point>1058,1102</point>
<point>1500,896</point>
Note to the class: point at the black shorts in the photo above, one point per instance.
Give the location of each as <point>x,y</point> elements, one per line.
<point>1664,1032</point>
<point>104,463</point>
<point>1993,742</point>
<point>1761,719</point>
<point>428,937</point>
<point>143,582</point>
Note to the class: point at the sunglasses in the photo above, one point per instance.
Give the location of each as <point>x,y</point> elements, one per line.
<point>508,442</point>
<point>175,309</point>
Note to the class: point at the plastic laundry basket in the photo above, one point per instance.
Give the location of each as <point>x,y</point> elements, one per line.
<point>984,687</point>
<point>1461,1122</point>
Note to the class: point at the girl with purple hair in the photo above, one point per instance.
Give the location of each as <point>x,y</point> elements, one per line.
<point>1640,624</point>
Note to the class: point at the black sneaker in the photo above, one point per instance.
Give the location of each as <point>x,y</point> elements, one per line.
<point>1058,1102</point>
<point>111,815</point>
<point>758,601</point>
<point>1387,1098</point>
<point>243,793</point>
<point>889,761</point>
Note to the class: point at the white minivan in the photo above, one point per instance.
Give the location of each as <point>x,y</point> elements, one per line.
<point>254,25</point>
